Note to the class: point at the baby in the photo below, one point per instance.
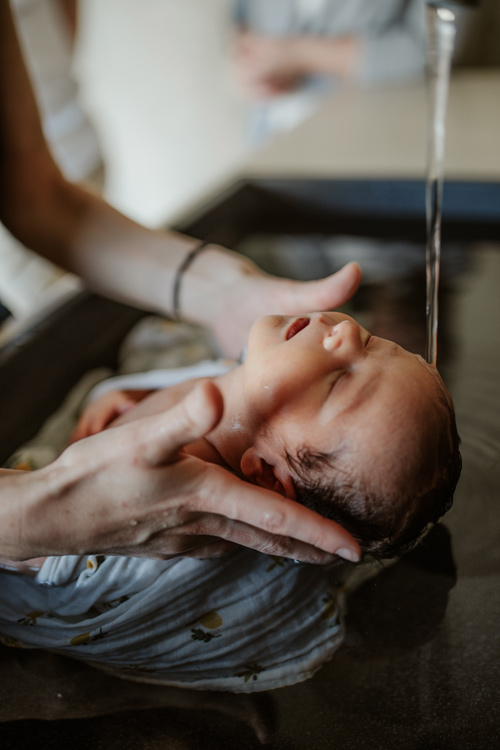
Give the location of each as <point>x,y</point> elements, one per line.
<point>351,425</point>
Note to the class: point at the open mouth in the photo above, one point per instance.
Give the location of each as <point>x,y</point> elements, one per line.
<point>296,327</point>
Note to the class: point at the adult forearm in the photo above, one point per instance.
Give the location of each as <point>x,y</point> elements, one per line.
<point>79,231</point>
<point>113,254</point>
<point>118,257</point>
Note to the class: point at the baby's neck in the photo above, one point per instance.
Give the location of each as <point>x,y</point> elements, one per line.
<point>226,444</point>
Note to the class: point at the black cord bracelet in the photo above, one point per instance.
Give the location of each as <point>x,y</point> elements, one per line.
<point>176,311</point>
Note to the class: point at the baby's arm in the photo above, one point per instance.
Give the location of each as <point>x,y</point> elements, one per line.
<point>113,407</point>
<point>101,412</point>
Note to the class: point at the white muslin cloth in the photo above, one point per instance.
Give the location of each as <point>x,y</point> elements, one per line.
<point>244,623</point>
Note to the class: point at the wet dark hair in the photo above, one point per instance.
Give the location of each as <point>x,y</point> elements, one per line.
<point>391,524</point>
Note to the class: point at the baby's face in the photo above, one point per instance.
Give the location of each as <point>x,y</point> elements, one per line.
<point>323,381</point>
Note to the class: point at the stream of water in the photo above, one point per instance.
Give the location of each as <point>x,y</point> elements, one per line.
<point>441,31</point>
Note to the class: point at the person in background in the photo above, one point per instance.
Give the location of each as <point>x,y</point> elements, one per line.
<point>289,53</point>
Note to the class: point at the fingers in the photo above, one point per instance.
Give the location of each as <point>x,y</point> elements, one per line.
<point>218,548</point>
<point>267,544</point>
<point>166,546</point>
<point>269,522</point>
<point>244,535</point>
<point>345,282</point>
<point>212,535</point>
<point>100,413</point>
<point>190,420</point>
<point>275,545</point>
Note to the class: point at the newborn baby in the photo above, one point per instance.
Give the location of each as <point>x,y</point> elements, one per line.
<point>351,425</point>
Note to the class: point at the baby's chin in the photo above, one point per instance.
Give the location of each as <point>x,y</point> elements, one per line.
<point>268,325</point>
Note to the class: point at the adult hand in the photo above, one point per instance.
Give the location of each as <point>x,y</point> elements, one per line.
<point>245,293</point>
<point>267,66</point>
<point>131,490</point>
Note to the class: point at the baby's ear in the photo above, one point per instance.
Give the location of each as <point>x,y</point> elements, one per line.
<point>257,470</point>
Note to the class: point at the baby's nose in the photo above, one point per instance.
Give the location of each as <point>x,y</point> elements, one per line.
<point>344,339</point>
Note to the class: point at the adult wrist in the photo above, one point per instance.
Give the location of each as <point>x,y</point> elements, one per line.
<point>32,520</point>
<point>18,502</point>
<point>179,277</point>
<point>210,279</point>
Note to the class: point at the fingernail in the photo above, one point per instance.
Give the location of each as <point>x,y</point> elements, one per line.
<point>348,554</point>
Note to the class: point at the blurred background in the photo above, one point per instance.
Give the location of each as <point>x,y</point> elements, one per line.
<point>156,78</point>
<point>154,85</point>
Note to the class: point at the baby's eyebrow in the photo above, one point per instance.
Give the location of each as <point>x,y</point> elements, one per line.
<point>361,394</point>
<point>391,345</point>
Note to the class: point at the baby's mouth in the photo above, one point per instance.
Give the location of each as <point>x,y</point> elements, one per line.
<point>298,325</point>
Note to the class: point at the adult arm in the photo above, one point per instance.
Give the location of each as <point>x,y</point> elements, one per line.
<point>132,491</point>
<point>117,257</point>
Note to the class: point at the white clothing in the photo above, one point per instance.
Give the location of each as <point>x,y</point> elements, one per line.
<point>247,622</point>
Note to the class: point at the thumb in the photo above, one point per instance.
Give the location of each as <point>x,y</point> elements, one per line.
<point>189,420</point>
<point>331,292</point>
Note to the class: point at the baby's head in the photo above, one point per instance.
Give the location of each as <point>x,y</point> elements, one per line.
<point>351,425</point>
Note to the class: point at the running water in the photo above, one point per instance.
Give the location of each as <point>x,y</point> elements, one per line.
<point>441,32</point>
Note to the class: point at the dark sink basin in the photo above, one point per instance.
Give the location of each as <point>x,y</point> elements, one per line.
<point>419,667</point>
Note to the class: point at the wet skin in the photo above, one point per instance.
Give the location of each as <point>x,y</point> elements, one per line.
<point>323,381</point>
